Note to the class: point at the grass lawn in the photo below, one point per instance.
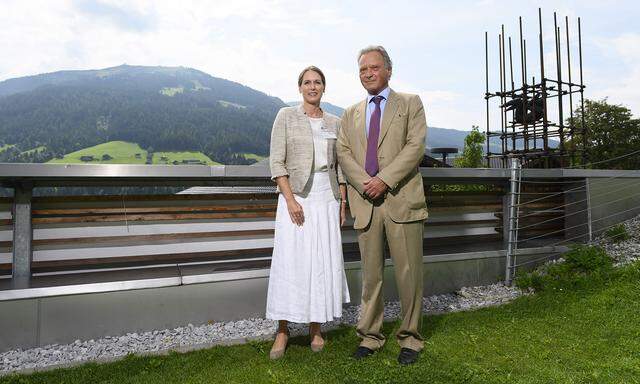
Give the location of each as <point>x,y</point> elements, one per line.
<point>252,156</point>
<point>121,152</point>
<point>586,332</point>
<point>180,156</point>
<point>171,91</point>
<point>6,146</point>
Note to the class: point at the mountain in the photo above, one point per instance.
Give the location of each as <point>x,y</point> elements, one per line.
<point>159,108</point>
<point>332,109</point>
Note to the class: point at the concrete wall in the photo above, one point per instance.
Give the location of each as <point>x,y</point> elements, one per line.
<point>612,201</point>
<point>63,319</point>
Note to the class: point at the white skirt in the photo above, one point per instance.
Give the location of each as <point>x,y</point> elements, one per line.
<point>307,282</point>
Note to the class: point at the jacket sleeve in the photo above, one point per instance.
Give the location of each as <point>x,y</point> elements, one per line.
<point>412,153</point>
<point>353,172</point>
<point>278,148</point>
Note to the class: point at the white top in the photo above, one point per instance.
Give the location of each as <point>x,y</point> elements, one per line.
<point>319,145</point>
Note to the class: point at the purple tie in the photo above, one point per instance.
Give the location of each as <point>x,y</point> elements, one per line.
<point>371,161</point>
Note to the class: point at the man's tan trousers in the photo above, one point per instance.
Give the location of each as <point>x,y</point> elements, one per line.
<point>405,244</point>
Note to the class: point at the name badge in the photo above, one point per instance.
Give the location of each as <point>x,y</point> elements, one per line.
<point>327,133</point>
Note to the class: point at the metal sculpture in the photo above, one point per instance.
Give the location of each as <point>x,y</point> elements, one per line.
<point>526,123</point>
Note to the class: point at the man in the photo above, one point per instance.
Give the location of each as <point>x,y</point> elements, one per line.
<point>380,146</point>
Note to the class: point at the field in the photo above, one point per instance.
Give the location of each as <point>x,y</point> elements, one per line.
<point>5,147</point>
<point>252,156</point>
<point>171,91</point>
<point>122,152</point>
<point>170,157</point>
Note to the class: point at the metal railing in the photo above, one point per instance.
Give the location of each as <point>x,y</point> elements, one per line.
<point>23,178</point>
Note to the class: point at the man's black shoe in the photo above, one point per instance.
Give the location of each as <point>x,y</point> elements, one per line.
<point>362,352</point>
<point>407,356</point>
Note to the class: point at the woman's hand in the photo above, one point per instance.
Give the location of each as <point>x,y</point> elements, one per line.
<point>295,212</point>
<point>343,213</point>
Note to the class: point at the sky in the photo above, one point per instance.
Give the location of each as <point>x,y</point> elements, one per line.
<point>437,47</point>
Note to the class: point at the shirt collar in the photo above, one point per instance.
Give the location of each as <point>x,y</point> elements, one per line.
<point>384,93</point>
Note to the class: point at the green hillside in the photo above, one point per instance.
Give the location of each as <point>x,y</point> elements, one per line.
<point>6,146</point>
<point>164,109</point>
<point>253,156</point>
<point>120,152</point>
<point>179,158</point>
<point>34,150</point>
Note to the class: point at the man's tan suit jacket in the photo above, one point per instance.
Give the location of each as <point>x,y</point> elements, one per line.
<point>401,147</point>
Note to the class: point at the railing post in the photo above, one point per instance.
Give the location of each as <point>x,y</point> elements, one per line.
<point>588,193</point>
<point>512,220</point>
<point>22,236</point>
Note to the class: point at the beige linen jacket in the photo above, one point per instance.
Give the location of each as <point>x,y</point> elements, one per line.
<point>400,150</point>
<point>292,149</point>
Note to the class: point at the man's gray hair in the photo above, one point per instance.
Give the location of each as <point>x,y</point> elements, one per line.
<point>380,49</point>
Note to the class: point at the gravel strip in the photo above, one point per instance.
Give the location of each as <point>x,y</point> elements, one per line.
<point>193,337</point>
<point>627,251</point>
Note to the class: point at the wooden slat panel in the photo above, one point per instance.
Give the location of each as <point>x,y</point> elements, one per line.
<point>350,249</point>
<point>194,235</point>
<point>149,238</point>
<point>63,265</point>
<point>132,210</point>
<point>130,198</point>
<point>462,222</point>
<point>468,208</point>
<point>151,217</point>
<point>105,209</point>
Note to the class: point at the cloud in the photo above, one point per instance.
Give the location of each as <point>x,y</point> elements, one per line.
<point>437,47</point>
<point>620,83</point>
<point>122,17</point>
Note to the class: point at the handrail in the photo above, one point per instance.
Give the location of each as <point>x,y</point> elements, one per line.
<point>54,175</point>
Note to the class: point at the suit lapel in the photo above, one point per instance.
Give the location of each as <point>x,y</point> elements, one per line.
<point>360,125</point>
<point>390,111</point>
<point>304,121</point>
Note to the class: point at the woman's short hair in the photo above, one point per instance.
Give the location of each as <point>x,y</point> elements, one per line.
<point>314,69</point>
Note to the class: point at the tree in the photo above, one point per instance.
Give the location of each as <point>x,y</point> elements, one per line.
<point>612,132</point>
<point>472,154</point>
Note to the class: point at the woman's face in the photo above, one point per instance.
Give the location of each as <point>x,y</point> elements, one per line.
<point>312,87</point>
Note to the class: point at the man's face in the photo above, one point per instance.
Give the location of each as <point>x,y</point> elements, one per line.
<point>374,76</point>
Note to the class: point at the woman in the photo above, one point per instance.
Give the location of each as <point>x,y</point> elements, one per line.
<point>307,283</point>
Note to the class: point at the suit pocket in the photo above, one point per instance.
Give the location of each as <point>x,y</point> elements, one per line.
<point>413,193</point>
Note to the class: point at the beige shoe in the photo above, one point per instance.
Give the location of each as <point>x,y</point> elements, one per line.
<point>317,347</point>
<point>277,353</point>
